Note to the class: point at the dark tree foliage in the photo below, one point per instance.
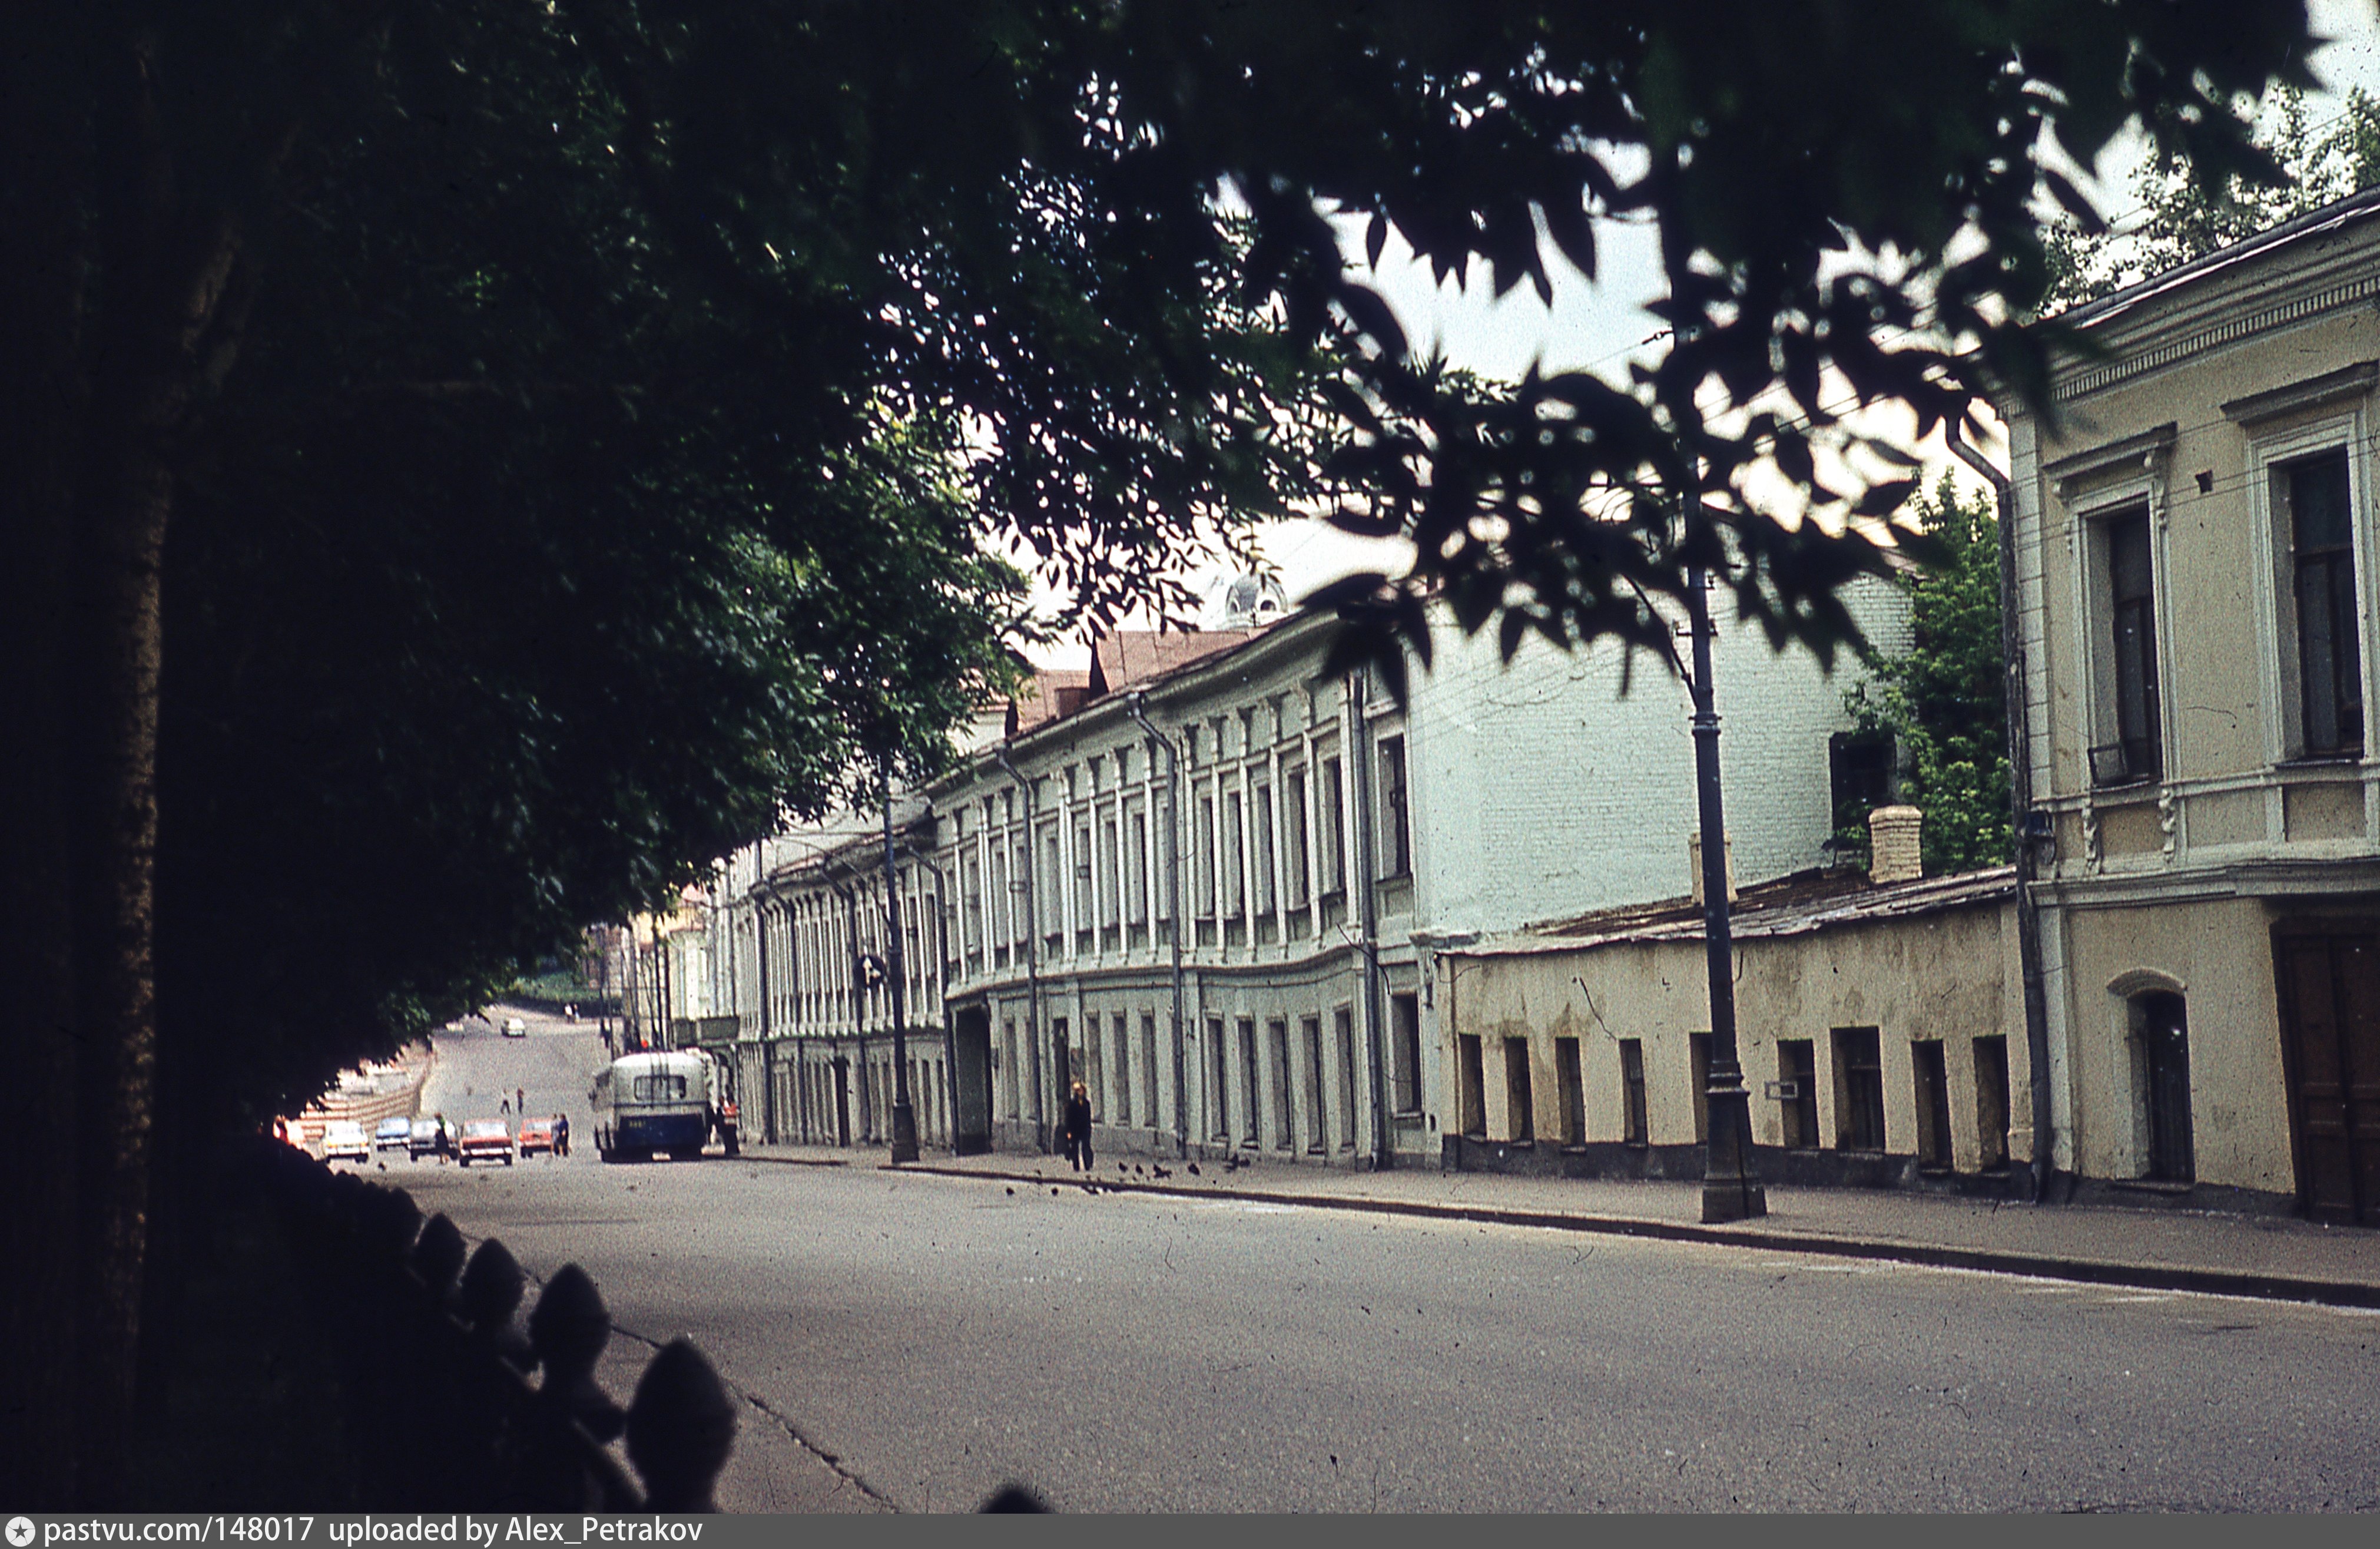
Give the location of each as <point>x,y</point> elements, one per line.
<point>1943,700</point>
<point>467,463</point>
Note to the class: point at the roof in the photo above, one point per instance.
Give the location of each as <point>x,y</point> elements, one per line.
<point>1130,656</point>
<point>1799,904</point>
<point>1053,693</point>
<point>2313,223</point>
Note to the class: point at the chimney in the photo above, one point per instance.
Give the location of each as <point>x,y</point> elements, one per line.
<point>1695,866</point>
<point>1893,852</point>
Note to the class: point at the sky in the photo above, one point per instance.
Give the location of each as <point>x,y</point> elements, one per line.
<point>1598,325</point>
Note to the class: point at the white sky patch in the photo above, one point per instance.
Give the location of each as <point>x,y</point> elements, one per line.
<point>1600,326</point>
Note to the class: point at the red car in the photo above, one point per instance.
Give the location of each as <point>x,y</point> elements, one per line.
<point>484,1140</point>
<point>537,1134</point>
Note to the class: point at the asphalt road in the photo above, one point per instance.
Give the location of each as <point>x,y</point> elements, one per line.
<point>1118,1352</point>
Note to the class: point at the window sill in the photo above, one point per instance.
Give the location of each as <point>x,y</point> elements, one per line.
<point>2318,762</point>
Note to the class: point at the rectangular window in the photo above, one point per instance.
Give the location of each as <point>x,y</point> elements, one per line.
<point>1342,1026</point>
<point>1332,813</point>
<point>1123,1067</point>
<point>2314,494</point>
<point>1698,1073</point>
<point>1310,1053</point>
<point>1087,901</point>
<point>1009,1065</point>
<point>1296,856</point>
<point>2133,748</point>
<point>1859,1090</point>
<point>1520,1100</point>
<point>1471,1097</point>
<point>1248,1094</point>
<point>1284,1135</point>
<point>1264,888</point>
<point>1235,860</point>
<point>1572,1092</point>
<point>1396,833</point>
<point>1139,868</point>
<point>1405,1044</point>
<point>1219,1077</point>
<point>1633,1127</point>
<point>1112,885</point>
<point>1149,1068</point>
<point>1931,1073</point>
<point>1202,850</point>
<point>1797,1077</point>
<point>1992,1101</point>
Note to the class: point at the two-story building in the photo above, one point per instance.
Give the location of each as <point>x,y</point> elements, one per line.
<point>2195,560</point>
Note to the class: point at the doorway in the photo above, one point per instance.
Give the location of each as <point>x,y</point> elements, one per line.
<point>2330,1045</point>
<point>2160,1028</point>
<point>971,1081</point>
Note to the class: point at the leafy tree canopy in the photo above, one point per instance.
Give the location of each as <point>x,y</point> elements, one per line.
<point>2183,216</point>
<point>1944,701</point>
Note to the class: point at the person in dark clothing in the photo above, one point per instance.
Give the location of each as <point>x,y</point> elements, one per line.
<point>1078,1127</point>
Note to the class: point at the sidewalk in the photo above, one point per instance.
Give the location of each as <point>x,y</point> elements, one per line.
<point>2154,1249</point>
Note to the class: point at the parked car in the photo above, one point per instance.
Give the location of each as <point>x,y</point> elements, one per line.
<point>484,1140</point>
<point>516,1027</point>
<point>344,1137</point>
<point>394,1134</point>
<point>537,1134</point>
<point>423,1141</point>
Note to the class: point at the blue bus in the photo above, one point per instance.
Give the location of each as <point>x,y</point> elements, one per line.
<point>653,1101</point>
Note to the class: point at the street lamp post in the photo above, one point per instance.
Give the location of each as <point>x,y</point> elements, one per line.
<point>904,1117</point>
<point>1731,1189</point>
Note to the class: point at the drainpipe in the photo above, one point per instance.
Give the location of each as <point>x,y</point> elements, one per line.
<point>1032,955</point>
<point>1134,706</point>
<point>1369,914</point>
<point>2028,923</point>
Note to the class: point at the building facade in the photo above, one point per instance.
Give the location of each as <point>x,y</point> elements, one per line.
<point>1214,893</point>
<point>2195,553</point>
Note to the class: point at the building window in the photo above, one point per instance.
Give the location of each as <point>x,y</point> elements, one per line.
<point>1572,1092</point>
<point>1698,1074</point>
<point>1297,855</point>
<point>1202,814</point>
<point>1149,1068</point>
<point>1332,816</point>
<point>1317,1140</point>
<point>1396,833</point>
<point>1249,1096</point>
<point>2131,747</point>
<point>1342,1025</point>
<point>1264,888</point>
<point>1138,866</point>
<point>2311,495</point>
<point>1404,1045</point>
<point>1797,1090</point>
<point>1520,1100</point>
<point>1284,1134</point>
<point>1633,1127</point>
<point>1991,1101</point>
<point>1234,856</point>
<point>1859,766</point>
<point>1218,1066</point>
<point>1123,1067</point>
<point>1859,1094</point>
<point>1930,1070</point>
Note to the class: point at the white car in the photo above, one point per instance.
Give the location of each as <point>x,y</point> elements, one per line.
<point>344,1137</point>
<point>516,1027</point>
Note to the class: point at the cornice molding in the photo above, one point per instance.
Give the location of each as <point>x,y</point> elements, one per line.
<point>2348,382</point>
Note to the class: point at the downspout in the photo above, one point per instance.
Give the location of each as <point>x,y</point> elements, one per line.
<point>1134,706</point>
<point>1368,915</point>
<point>1032,955</point>
<point>2043,1161</point>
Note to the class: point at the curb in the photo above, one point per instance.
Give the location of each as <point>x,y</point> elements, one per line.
<point>1990,1261</point>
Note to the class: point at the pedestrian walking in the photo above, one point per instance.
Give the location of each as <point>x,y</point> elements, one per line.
<point>562,1134</point>
<point>520,1101</point>
<point>504,1106</point>
<point>1078,1127</point>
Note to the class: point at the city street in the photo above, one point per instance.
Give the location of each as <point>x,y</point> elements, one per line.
<point>940,1335</point>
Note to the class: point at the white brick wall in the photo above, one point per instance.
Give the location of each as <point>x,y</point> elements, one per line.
<point>1539,791</point>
